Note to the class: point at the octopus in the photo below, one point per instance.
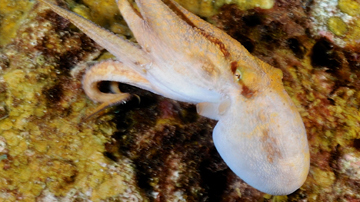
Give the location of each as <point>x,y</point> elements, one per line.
<point>259,134</point>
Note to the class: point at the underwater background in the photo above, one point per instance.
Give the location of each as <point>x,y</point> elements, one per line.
<point>160,149</point>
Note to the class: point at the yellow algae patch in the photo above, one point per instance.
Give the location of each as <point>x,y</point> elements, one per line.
<point>337,26</point>
<point>17,145</point>
<point>111,186</point>
<point>248,4</point>
<point>323,178</point>
<point>349,7</point>
<point>83,11</point>
<point>205,8</point>
<point>354,32</point>
<point>12,13</point>
<point>102,12</point>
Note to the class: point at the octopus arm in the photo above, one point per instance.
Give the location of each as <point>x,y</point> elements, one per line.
<point>168,39</point>
<point>238,51</point>
<point>116,72</point>
<point>122,49</point>
<point>112,71</point>
<point>204,26</point>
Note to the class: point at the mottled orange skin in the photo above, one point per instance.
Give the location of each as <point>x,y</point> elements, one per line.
<point>260,134</point>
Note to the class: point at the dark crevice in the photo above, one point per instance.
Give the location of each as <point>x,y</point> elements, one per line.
<point>215,183</point>
<point>324,55</point>
<point>356,144</point>
<point>296,47</point>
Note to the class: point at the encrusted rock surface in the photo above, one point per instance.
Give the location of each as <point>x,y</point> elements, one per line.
<point>337,20</point>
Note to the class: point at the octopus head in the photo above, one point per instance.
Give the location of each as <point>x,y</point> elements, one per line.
<point>263,140</point>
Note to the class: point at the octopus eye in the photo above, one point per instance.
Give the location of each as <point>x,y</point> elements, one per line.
<point>237,75</point>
